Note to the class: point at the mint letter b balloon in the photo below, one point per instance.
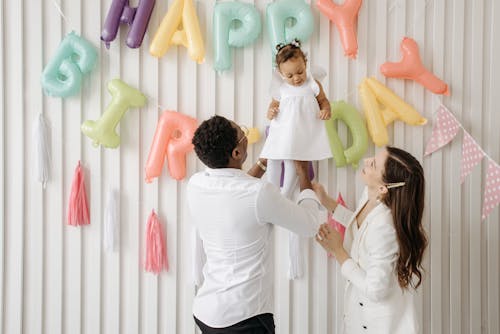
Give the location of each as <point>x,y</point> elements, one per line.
<point>227,35</point>
<point>62,76</point>
<point>288,19</point>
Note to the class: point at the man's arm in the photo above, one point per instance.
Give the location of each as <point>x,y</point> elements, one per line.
<point>258,169</point>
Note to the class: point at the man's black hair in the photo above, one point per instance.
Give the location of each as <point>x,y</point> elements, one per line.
<point>214,141</point>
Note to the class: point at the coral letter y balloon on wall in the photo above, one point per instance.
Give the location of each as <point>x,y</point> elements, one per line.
<point>278,15</point>
<point>345,18</point>
<point>63,74</point>
<point>182,13</point>
<point>172,139</point>
<point>136,18</point>
<point>102,132</point>
<point>226,36</point>
<point>411,67</point>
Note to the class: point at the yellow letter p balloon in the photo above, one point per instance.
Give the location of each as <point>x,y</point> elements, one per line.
<point>181,13</point>
<point>172,139</point>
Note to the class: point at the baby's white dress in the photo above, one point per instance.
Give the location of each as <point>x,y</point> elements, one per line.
<point>297,133</point>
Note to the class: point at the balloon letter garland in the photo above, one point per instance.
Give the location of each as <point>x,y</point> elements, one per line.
<point>102,132</point>
<point>411,67</point>
<point>372,92</point>
<point>351,117</point>
<point>227,36</point>
<point>136,18</point>
<point>280,13</point>
<point>63,74</point>
<point>181,13</point>
<point>345,18</point>
<point>172,139</point>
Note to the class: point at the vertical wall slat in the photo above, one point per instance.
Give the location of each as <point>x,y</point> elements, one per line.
<point>3,140</point>
<point>34,261</point>
<point>14,170</point>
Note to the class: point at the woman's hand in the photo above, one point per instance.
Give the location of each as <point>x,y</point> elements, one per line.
<point>332,242</point>
<point>272,112</point>
<point>323,197</point>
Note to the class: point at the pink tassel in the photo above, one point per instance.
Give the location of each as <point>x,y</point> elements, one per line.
<point>156,250</point>
<point>335,224</point>
<point>78,211</point>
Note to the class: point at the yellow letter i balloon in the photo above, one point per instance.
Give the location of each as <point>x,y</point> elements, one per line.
<point>102,132</point>
<point>182,13</point>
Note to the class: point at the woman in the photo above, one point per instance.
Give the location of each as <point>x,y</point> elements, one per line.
<point>381,255</point>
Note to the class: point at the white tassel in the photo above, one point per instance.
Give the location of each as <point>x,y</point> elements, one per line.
<point>112,223</point>
<point>296,256</point>
<point>41,149</point>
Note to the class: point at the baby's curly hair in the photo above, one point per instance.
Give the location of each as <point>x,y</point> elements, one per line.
<point>214,141</point>
<point>288,51</point>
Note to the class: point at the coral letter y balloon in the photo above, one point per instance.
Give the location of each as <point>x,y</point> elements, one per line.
<point>345,18</point>
<point>411,67</point>
<point>182,13</point>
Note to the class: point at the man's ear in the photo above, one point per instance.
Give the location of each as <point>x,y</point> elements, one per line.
<point>236,154</point>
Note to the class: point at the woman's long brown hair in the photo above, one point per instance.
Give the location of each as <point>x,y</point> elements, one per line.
<point>407,206</point>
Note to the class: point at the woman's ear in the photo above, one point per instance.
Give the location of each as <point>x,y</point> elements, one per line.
<point>382,190</point>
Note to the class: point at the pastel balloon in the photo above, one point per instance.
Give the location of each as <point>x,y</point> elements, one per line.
<point>172,140</point>
<point>63,74</point>
<point>387,97</point>
<point>374,119</point>
<point>411,67</point>
<point>227,35</point>
<point>352,118</point>
<point>253,135</point>
<point>280,14</point>
<point>182,14</point>
<point>345,18</point>
<point>103,131</point>
<point>136,17</point>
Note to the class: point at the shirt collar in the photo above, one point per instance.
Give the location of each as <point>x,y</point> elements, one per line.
<point>228,172</point>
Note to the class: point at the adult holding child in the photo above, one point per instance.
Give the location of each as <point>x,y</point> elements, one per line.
<point>381,254</point>
<point>234,214</point>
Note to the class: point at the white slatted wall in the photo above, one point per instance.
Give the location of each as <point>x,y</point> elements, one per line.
<point>58,279</point>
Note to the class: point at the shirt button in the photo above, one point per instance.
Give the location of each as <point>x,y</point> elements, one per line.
<point>364,327</point>
<point>360,304</point>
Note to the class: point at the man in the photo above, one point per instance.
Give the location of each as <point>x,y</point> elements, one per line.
<point>233,213</point>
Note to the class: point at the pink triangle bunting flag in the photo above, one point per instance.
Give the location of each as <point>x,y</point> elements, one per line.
<point>472,154</point>
<point>444,130</point>
<point>492,189</point>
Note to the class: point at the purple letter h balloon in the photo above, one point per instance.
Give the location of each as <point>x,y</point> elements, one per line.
<point>136,18</point>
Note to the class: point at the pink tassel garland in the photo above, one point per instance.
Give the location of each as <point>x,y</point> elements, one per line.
<point>78,211</point>
<point>335,224</point>
<point>156,250</point>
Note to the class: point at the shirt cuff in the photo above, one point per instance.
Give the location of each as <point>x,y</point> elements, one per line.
<point>307,194</point>
<point>348,268</point>
<point>342,214</point>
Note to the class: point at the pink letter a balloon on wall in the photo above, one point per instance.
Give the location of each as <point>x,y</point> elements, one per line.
<point>411,67</point>
<point>172,139</point>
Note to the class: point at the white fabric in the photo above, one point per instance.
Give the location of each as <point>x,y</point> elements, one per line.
<point>373,299</point>
<point>297,133</point>
<point>234,214</point>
